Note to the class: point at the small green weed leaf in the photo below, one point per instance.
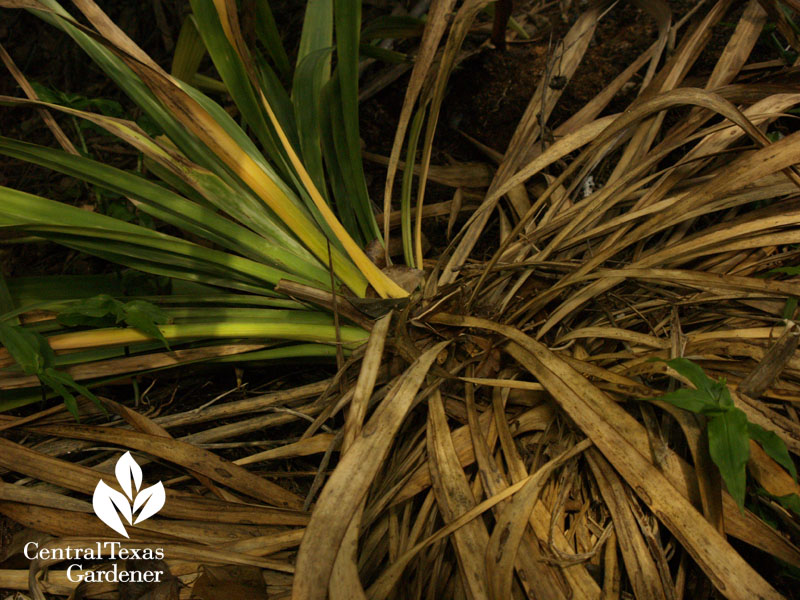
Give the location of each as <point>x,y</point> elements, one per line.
<point>721,395</point>
<point>729,447</point>
<point>98,311</point>
<point>693,373</point>
<point>786,270</point>
<point>145,317</point>
<point>25,348</point>
<point>105,311</point>
<point>687,399</point>
<point>789,308</point>
<point>56,381</point>
<point>774,446</point>
<point>33,353</point>
<point>711,397</point>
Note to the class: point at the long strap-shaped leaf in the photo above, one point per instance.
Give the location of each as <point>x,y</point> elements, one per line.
<point>349,483</point>
<point>381,282</point>
<point>169,207</point>
<point>188,110</point>
<point>104,236</point>
<point>197,182</point>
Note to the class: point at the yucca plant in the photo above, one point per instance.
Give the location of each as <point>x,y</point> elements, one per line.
<point>542,449</point>
<point>279,198</point>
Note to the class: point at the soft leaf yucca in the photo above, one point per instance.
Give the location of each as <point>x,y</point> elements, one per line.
<point>256,210</point>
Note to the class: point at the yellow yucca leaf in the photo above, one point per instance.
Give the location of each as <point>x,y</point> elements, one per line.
<point>287,329</point>
<point>384,285</point>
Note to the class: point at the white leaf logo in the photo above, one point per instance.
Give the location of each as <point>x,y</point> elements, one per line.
<point>109,504</point>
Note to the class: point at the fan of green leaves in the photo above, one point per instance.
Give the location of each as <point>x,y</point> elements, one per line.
<point>281,196</point>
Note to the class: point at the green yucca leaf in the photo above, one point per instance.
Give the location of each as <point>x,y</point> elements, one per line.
<point>169,207</point>
<point>267,32</point>
<point>284,329</point>
<point>347,21</point>
<point>105,236</point>
<point>309,78</point>
<point>234,73</point>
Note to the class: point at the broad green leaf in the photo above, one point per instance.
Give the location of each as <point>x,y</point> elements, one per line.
<point>100,311</point>
<point>774,446</point>
<point>25,348</point>
<point>692,400</point>
<point>33,354</point>
<point>692,372</point>
<point>61,382</point>
<point>722,395</point>
<point>51,379</point>
<point>267,32</point>
<point>716,392</point>
<point>307,86</point>
<point>786,270</point>
<point>317,32</point>
<point>347,21</point>
<point>729,447</point>
<point>146,317</point>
